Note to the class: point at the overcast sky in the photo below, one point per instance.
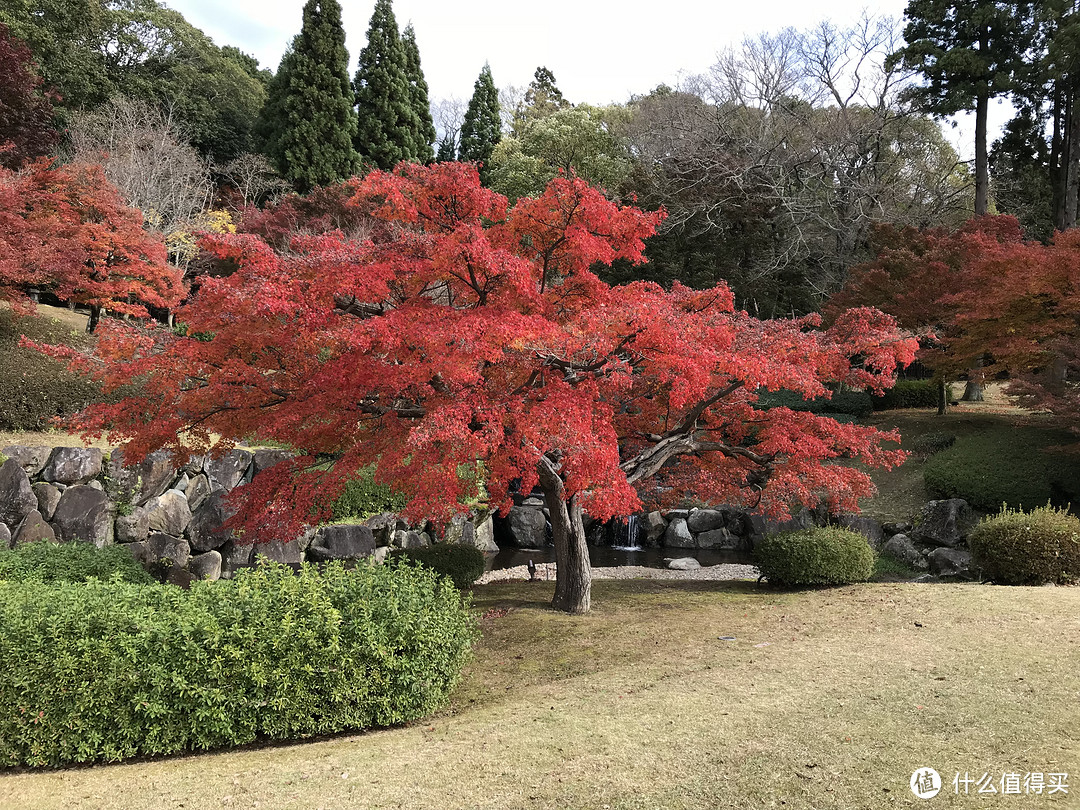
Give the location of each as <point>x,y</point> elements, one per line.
<point>598,52</point>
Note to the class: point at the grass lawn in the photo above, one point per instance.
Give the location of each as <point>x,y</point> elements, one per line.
<point>826,699</point>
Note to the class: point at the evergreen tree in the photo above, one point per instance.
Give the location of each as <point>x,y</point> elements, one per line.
<point>482,127</point>
<point>447,149</point>
<point>310,104</point>
<point>542,98</point>
<point>387,125</point>
<point>968,52</point>
<point>424,134</point>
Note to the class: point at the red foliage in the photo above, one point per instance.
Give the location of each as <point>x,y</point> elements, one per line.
<point>468,335</point>
<point>27,128</point>
<point>66,228</point>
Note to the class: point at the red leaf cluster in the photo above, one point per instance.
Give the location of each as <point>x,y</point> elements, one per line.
<point>65,228</point>
<point>468,343</point>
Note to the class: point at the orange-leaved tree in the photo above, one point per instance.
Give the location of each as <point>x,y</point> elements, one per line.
<point>468,348</point>
<point>66,229</point>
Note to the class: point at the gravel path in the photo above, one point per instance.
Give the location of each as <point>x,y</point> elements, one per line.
<point>546,571</point>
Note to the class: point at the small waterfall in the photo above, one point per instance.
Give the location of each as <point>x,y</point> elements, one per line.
<point>626,534</point>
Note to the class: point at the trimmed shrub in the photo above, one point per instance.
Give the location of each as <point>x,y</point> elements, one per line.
<point>855,403</point>
<point>910,394</point>
<point>463,564</point>
<point>70,562</point>
<point>1006,465</point>
<point>1028,548</point>
<point>819,556</point>
<point>930,443</point>
<point>35,388</point>
<point>362,498</point>
<point>107,671</point>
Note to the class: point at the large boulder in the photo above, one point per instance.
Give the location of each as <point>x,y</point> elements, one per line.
<point>84,514</point>
<point>5,535</point>
<point>382,526</point>
<point>654,528</point>
<point>33,529</point>
<point>682,564</point>
<point>48,496</point>
<point>866,526</point>
<point>73,465</point>
<point>205,566</point>
<point>267,457</point>
<point>484,535</point>
<point>705,520</point>
<point>168,513</point>
<point>133,528</point>
<point>31,459</point>
<point>901,547</point>
<point>288,552</point>
<point>720,539</point>
<point>230,470</point>
<point>760,526</point>
<point>204,531</point>
<point>17,499</point>
<point>198,490</point>
<point>950,562</point>
<point>235,555</point>
<point>944,523</point>
<point>139,483</point>
<point>343,541</point>
<point>528,527</point>
<point>678,535</point>
<point>410,539</point>
<point>165,549</point>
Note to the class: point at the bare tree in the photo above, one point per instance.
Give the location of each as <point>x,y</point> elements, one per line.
<point>787,151</point>
<point>146,157</point>
<point>255,179</point>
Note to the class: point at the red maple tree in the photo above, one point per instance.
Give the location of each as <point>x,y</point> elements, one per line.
<point>66,229</point>
<point>468,349</point>
<point>27,125</point>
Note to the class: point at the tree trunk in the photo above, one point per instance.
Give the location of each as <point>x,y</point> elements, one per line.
<point>973,391</point>
<point>573,572</point>
<point>1072,167</point>
<point>982,163</point>
<point>95,318</point>
<point>942,397</point>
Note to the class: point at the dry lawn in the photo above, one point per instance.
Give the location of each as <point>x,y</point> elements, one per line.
<point>826,699</point>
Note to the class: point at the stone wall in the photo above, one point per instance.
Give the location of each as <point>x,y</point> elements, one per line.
<point>171,518</point>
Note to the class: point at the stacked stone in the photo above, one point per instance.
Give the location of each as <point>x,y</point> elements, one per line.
<point>171,519</point>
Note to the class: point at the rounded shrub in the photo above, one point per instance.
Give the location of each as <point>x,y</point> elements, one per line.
<point>70,562</point>
<point>1028,548</point>
<point>819,556</point>
<point>463,564</point>
<point>104,671</point>
<point>933,442</point>
<point>853,403</point>
<point>363,497</point>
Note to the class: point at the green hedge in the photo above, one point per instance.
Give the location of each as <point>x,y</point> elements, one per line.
<point>909,394</point>
<point>855,403</point>
<point>363,498</point>
<point>1028,548</point>
<point>107,671</point>
<point>819,556</point>
<point>1006,465</point>
<point>35,388</point>
<point>70,562</point>
<point>463,564</point>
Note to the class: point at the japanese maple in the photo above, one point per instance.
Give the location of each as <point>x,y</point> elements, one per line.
<point>66,229</point>
<point>468,350</point>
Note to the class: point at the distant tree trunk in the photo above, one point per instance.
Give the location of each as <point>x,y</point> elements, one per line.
<point>942,397</point>
<point>982,163</point>
<point>95,318</point>
<point>973,391</point>
<point>1072,156</point>
<point>573,572</point>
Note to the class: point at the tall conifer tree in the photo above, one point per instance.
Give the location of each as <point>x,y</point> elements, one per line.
<point>309,123</point>
<point>424,134</point>
<point>384,97</point>
<point>482,128</point>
